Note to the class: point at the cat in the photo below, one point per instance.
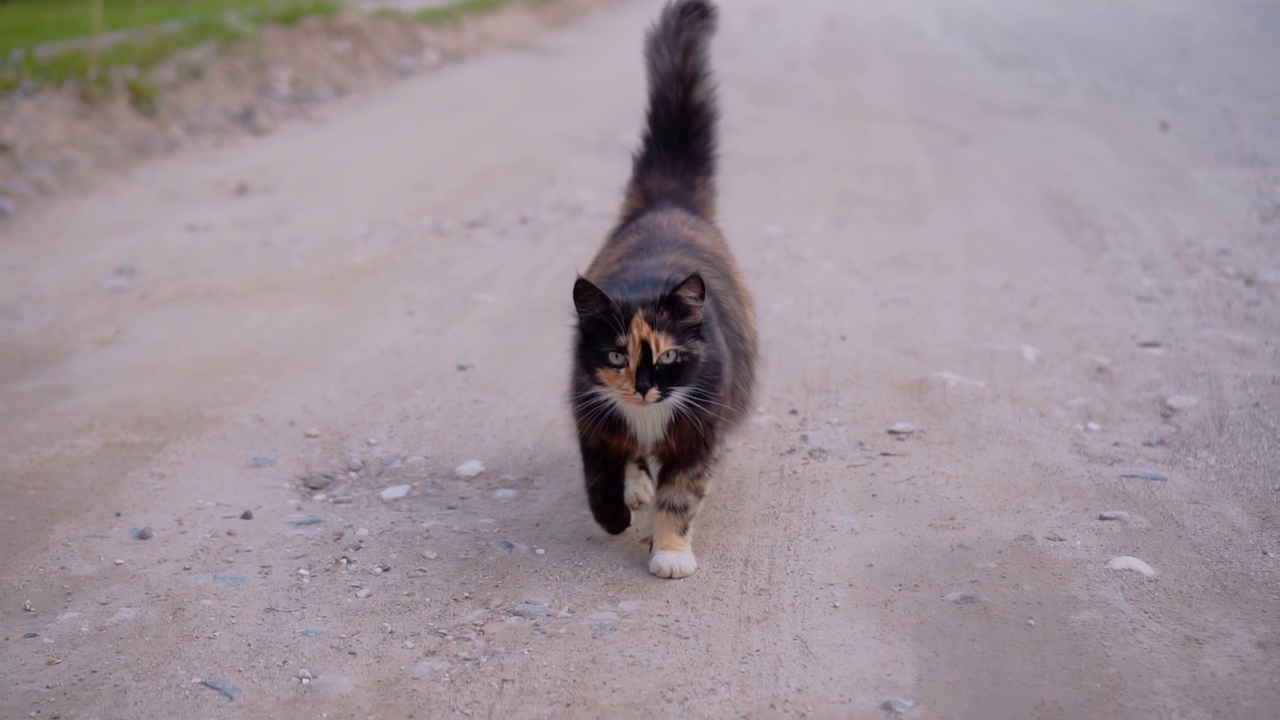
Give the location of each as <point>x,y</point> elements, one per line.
<point>665,351</point>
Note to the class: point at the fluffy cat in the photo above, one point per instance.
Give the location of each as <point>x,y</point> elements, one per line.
<point>665,353</point>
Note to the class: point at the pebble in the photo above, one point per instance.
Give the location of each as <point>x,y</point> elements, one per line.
<point>312,433</point>
<point>530,610</point>
<point>430,554</point>
<point>331,685</point>
<point>513,548</point>
<point>1093,426</point>
<point>319,497</point>
<point>362,532</point>
<point>1120,515</point>
<point>1181,402</point>
<point>364,593</point>
<point>224,687</point>
<point>301,520</point>
<point>395,492</point>
<point>424,668</point>
<point>246,515</point>
<point>263,462</point>
<point>469,469</point>
<point>539,551</point>
<point>1054,537</point>
<point>119,562</point>
<point>142,533</point>
<point>901,428</point>
<point>355,464</point>
<point>304,674</point>
<point>317,481</point>
<point>897,706</point>
<point>1142,473</point>
<point>1127,562</point>
<point>415,462</point>
<point>504,494</point>
<point>964,598</point>
<point>372,441</point>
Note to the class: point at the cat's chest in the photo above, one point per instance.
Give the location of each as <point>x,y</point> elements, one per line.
<point>648,423</point>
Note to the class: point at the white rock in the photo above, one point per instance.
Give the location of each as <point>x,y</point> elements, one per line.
<point>1127,562</point>
<point>504,494</point>
<point>1181,402</point>
<point>1093,426</point>
<point>902,428</point>
<point>469,469</point>
<point>364,593</point>
<point>395,492</point>
<point>313,433</point>
<point>362,532</point>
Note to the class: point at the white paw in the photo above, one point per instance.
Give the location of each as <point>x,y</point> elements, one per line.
<point>673,563</point>
<point>638,490</point>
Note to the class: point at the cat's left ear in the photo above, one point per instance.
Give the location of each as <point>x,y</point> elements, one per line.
<point>689,296</point>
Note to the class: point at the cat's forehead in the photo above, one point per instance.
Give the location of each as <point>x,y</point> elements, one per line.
<point>641,331</point>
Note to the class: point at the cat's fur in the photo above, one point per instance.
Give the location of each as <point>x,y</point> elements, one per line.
<point>651,428</point>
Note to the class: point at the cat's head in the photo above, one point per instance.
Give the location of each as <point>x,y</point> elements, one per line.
<point>641,353</point>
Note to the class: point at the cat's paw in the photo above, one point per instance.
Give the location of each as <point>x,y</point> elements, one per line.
<point>638,491</point>
<point>673,563</point>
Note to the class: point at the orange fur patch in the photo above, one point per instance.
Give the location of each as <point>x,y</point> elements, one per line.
<point>623,380</point>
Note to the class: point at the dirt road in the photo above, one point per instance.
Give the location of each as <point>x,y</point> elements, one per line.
<point>1047,237</point>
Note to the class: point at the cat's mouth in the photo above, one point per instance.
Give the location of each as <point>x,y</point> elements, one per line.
<point>652,397</point>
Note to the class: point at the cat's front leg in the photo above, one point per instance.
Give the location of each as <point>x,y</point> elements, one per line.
<point>681,488</point>
<point>604,468</point>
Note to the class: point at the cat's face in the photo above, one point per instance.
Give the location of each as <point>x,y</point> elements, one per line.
<point>640,354</point>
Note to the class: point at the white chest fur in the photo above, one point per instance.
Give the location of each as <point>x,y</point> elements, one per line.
<point>648,423</point>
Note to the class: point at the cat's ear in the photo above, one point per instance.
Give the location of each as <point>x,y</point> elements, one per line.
<point>688,296</point>
<point>590,300</point>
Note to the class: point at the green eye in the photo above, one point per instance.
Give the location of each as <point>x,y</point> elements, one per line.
<point>668,357</point>
<point>617,359</point>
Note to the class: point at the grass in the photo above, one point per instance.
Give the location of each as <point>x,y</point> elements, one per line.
<point>203,21</point>
<point>455,10</point>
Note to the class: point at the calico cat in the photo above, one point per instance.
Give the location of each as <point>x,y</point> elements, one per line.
<point>666,345</point>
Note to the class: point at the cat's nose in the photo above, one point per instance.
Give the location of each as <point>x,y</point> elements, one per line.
<point>642,388</point>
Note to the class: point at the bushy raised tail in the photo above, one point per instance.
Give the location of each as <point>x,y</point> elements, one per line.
<point>677,160</point>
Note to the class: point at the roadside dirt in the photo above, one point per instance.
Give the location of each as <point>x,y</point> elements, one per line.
<point>1045,237</point>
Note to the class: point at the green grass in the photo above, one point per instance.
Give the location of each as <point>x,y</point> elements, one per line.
<point>204,21</point>
<point>455,10</point>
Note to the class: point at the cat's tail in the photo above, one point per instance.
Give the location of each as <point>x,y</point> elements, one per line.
<point>677,160</point>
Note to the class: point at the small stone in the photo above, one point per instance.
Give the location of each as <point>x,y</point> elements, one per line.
<point>539,551</point>
<point>263,462</point>
<point>469,469</point>
<point>1032,623</point>
<point>246,515</point>
<point>898,707</point>
<point>28,606</point>
<point>355,465</point>
<point>362,532</point>
<point>319,497</point>
<point>513,548</point>
<point>1054,537</point>
<point>395,492</point>
<point>1092,426</point>
<point>119,562</point>
<point>1119,515</point>
<point>430,554</point>
<point>1181,402</point>
<point>1141,473</point>
<point>143,533</point>
<point>304,674</point>
<point>901,428</point>
<point>312,433</point>
<point>331,685</point>
<point>1127,562</point>
<point>415,462</point>
<point>224,687</point>
<point>372,441</point>
<point>530,610</point>
<point>318,481</point>
<point>504,494</point>
<point>364,593</point>
<point>964,598</point>
<point>427,667</point>
<point>303,520</point>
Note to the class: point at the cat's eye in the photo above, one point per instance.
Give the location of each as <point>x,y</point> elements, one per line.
<point>668,357</point>
<point>617,359</point>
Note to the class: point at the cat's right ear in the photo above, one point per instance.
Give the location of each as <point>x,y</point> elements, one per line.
<point>590,300</point>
